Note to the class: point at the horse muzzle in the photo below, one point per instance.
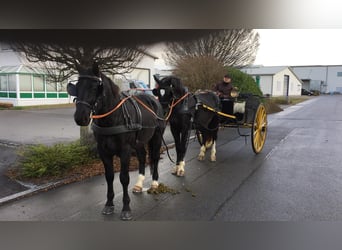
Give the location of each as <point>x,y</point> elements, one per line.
<point>82,117</point>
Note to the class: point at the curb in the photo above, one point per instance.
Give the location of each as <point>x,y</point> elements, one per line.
<point>45,187</point>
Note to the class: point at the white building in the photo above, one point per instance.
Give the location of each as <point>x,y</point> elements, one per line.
<point>324,78</point>
<point>22,84</point>
<point>275,81</point>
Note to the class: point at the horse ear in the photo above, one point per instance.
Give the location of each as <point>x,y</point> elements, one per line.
<point>156,78</point>
<point>79,68</point>
<point>96,69</point>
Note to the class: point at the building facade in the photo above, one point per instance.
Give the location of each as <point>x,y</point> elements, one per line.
<point>323,78</point>
<point>22,84</point>
<point>275,81</point>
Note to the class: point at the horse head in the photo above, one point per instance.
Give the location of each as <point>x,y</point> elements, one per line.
<point>168,89</point>
<point>87,90</point>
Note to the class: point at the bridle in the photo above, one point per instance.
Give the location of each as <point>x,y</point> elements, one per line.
<point>174,102</point>
<point>99,81</point>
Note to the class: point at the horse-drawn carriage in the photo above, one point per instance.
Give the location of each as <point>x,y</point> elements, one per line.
<point>123,122</point>
<point>206,113</point>
<point>243,111</point>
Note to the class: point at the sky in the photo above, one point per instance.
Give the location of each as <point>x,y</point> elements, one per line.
<point>294,47</point>
<point>290,47</point>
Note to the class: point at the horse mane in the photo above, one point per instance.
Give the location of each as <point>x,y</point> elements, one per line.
<point>177,86</point>
<point>115,90</point>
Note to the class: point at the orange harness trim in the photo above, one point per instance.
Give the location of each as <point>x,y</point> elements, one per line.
<point>113,110</point>
<point>173,104</point>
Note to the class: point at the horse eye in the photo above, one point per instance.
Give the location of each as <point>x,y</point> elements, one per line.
<point>162,92</point>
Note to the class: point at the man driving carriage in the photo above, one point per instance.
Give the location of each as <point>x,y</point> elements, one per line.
<point>224,91</point>
<point>224,88</point>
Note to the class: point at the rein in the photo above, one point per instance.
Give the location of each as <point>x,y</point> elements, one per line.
<point>174,104</point>
<point>112,111</point>
<point>121,103</point>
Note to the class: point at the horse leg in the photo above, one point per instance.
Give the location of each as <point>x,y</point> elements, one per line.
<point>154,153</point>
<point>125,156</point>
<point>141,155</point>
<point>201,155</point>
<point>182,151</point>
<point>107,161</point>
<point>180,138</point>
<point>213,147</point>
<point>204,146</point>
<point>213,152</point>
<point>177,137</point>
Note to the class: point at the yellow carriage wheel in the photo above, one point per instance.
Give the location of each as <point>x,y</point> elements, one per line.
<point>259,129</point>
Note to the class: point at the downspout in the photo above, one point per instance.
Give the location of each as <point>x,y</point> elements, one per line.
<point>326,77</point>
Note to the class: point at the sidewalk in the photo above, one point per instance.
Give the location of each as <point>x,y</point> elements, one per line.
<point>36,126</point>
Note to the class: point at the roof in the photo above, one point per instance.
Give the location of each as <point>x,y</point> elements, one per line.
<point>263,70</point>
<point>21,69</point>
<point>272,70</point>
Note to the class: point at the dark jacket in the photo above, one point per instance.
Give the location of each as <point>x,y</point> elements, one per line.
<point>223,89</point>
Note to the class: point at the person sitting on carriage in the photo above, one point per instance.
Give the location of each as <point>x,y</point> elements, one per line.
<point>224,89</point>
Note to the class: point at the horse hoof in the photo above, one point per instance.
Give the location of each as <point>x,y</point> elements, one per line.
<point>200,158</point>
<point>180,173</point>
<point>126,215</point>
<point>137,190</point>
<point>107,210</point>
<point>174,170</point>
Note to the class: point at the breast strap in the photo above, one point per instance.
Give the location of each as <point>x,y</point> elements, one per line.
<point>129,125</point>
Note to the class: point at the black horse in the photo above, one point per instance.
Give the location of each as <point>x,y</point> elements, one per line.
<point>120,123</point>
<point>184,111</point>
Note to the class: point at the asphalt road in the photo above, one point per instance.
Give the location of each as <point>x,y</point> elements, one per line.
<point>297,177</point>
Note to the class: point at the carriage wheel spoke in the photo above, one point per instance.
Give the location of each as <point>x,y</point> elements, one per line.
<point>259,129</point>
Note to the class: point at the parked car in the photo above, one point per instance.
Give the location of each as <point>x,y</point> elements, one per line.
<point>137,86</point>
<point>307,92</point>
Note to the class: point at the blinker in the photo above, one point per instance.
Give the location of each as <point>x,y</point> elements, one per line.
<point>71,89</point>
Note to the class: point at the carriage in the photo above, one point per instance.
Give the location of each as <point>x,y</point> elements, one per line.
<point>242,111</point>
<point>205,112</point>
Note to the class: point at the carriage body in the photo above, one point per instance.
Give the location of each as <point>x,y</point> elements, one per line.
<point>244,111</point>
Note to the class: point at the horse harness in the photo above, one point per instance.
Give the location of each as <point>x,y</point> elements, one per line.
<point>129,124</point>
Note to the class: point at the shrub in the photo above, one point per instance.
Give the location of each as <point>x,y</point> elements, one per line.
<point>42,160</point>
<point>6,105</point>
<point>244,82</point>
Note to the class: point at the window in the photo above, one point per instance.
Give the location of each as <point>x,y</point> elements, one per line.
<point>339,74</point>
<point>25,83</point>
<point>38,83</point>
<point>12,83</point>
<point>51,87</point>
<point>3,83</point>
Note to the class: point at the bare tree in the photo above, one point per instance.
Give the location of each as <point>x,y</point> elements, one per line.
<point>60,62</point>
<point>232,47</point>
<point>199,72</point>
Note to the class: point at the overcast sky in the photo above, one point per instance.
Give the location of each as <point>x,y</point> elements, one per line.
<point>292,47</point>
<point>300,47</point>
